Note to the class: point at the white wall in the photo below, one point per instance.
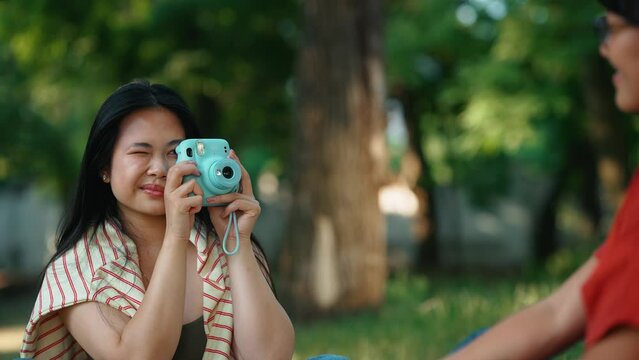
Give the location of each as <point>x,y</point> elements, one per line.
<point>28,220</point>
<point>497,236</point>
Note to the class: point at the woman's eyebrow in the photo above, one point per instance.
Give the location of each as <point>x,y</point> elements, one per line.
<point>174,142</point>
<point>141,144</point>
<point>147,145</point>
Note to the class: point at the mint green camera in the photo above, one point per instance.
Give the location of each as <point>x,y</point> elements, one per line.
<point>219,175</point>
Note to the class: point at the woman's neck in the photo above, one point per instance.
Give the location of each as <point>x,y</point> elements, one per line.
<point>144,230</point>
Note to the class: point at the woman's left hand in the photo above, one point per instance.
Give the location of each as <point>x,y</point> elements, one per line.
<point>246,207</point>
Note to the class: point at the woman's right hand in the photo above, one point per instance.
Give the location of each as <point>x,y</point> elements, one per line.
<point>181,200</point>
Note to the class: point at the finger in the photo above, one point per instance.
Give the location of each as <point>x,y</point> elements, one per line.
<point>195,209</point>
<point>245,182</point>
<point>177,172</point>
<point>245,206</point>
<point>222,199</point>
<point>187,205</point>
<point>197,190</point>
<point>188,188</point>
<point>227,198</point>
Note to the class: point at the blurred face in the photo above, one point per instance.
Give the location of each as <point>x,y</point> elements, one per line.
<point>621,48</point>
<point>142,155</point>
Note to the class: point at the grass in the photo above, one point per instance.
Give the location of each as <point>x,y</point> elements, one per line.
<point>423,317</point>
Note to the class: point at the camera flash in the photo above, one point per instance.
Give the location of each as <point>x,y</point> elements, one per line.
<point>200,148</point>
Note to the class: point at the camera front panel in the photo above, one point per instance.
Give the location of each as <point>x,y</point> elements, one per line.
<point>219,174</point>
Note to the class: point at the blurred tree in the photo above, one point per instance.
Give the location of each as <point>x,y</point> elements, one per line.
<point>335,257</point>
<point>487,84</point>
<point>230,59</point>
<point>29,145</point>
<point>426,45</point>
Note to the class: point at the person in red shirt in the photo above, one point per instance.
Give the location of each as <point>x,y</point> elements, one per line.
<point>600,301</point>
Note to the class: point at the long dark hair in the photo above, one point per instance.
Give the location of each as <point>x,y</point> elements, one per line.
<point>93,201</point>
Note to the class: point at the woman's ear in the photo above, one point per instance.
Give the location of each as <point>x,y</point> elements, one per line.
<point>104,175</point>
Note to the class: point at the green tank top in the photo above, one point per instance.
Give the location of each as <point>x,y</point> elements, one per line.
<point>192,341</point>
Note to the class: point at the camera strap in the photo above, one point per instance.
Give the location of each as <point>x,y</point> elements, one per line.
<point>232,222</point>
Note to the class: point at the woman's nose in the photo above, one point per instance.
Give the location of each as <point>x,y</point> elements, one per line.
<point>158,166</point>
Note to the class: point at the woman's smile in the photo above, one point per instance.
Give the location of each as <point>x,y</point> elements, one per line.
<point>156,191</point>
<point>142,155</point>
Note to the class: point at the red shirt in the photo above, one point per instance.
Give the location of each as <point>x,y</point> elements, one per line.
<point>611,294</point>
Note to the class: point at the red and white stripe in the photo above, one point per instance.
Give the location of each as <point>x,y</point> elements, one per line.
<point>103,267</point>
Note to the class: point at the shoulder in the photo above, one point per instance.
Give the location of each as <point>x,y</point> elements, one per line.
<point>108,242</point>
<point>66,282</point>
<point>68,278</point>
<point>98,246</point>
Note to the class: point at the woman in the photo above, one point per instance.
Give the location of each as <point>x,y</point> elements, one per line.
<point>600,300</point>
<point>139,272</point>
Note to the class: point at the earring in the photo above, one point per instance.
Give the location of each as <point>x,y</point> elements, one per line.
<point>105,178</point>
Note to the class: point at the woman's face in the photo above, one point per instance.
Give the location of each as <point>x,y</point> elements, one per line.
<point>621,48</point>
<point>142,155</point>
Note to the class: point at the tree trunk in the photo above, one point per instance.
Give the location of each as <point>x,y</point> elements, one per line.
<point>598,161</point>
<point>580,163</point>
<point>334,256</point>
<point>423,187</point>
<point>607,132</point>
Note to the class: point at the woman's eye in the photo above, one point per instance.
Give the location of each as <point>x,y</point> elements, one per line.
<point>138,153</point>
<point>172,153</point>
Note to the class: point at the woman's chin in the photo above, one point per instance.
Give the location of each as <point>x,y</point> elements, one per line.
<point>625,103</point>
<point>628,107</point>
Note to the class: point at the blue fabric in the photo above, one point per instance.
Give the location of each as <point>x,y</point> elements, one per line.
<point>468,339</point>
<point>328,357</point>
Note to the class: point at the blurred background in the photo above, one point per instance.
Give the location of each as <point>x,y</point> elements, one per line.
<point>424,166</point>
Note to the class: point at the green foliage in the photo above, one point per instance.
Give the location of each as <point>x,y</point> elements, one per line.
<point>492,83</point>
<point>499,86</point>
<point>29,144</point>
<point>231,60</point>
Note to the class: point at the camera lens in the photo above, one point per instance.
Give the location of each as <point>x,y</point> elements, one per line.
<point>227,172</point>
<point>189,152</point>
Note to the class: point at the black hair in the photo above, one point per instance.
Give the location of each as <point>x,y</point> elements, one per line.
<point>93,202</point>
<point>628,9</point>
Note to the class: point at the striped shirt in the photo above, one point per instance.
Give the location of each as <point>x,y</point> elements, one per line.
<point>103,267</point>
